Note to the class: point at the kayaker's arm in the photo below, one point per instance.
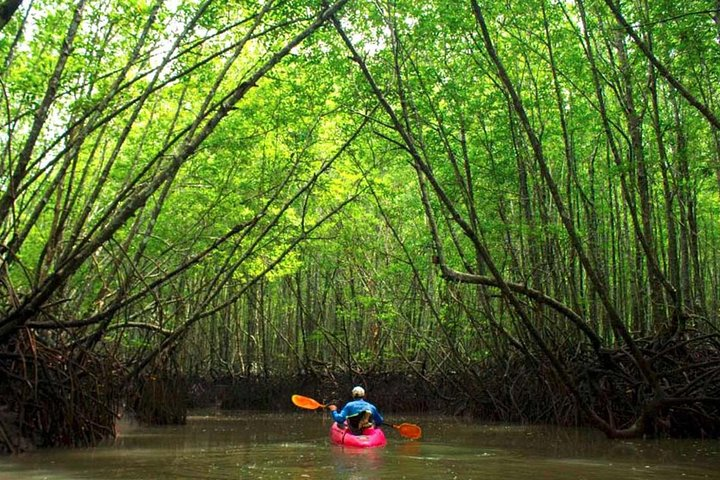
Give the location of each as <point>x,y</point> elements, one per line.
<point>338,417</point>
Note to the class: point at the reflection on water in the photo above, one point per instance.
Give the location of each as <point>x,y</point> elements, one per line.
<point>296,446</point>
<point>352,463</point>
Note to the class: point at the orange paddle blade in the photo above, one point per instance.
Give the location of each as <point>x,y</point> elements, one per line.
<point>409,430</point>
<point>306,402</point>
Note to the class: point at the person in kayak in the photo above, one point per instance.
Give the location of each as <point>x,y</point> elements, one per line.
<point>359,413</point>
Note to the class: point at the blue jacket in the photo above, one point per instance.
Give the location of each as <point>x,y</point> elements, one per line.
<point>357,407</point>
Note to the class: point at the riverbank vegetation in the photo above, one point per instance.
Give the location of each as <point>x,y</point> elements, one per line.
<point>502,211</point>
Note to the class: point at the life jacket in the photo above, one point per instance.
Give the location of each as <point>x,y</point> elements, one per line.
<point>357,423</point>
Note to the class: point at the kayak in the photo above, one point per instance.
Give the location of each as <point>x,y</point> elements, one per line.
<point>371,437</point>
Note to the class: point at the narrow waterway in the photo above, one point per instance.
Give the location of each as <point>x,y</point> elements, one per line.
<point>296,446</point>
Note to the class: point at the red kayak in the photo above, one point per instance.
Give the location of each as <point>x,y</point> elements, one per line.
<point>371,437</point>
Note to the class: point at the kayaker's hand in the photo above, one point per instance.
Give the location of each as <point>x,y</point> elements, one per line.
<point>332,408</point>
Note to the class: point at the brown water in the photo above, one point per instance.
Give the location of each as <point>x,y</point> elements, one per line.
<point>296,446</point>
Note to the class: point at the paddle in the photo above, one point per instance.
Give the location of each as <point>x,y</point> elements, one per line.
<point>306,402</point>
<point>407,430</point>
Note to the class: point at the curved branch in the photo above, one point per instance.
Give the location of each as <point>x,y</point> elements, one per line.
<point>461,277</point>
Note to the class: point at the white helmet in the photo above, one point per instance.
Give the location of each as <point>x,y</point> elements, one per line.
<point>358,392</point>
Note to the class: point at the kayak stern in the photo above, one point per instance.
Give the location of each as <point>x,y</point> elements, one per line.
<point>370,437</point>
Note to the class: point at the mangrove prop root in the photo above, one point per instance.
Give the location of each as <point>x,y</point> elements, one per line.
<point>517,388</point>
<point>55,396</point>
<point>688,369</point>
<point>160,397</point>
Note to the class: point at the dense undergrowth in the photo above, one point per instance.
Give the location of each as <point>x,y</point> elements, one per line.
<point>58,398</point>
